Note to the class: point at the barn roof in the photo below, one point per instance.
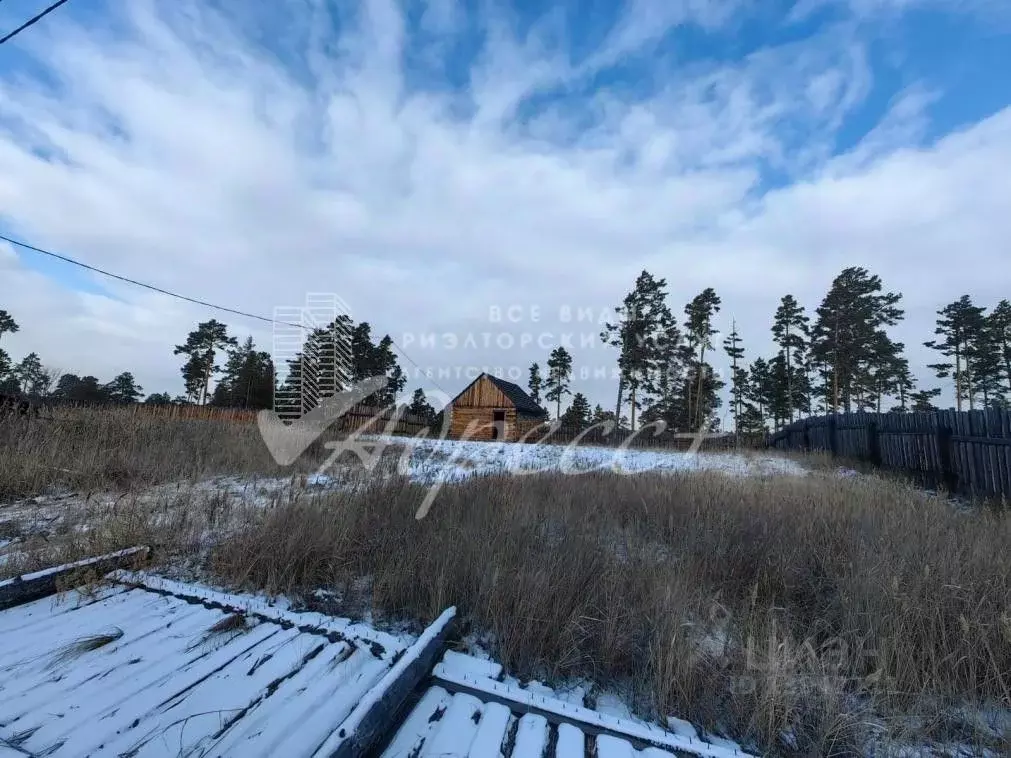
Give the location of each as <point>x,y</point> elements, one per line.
<point>523,402</point>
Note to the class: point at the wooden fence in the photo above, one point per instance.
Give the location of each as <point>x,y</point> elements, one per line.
<point>365,419</point>
<point>198,412</point>
<point>967,452</point>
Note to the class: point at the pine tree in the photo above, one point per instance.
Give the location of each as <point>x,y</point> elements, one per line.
<point>420,407</point>
<point>329,353</point>
<point>7,323</point>
<point>600,415</point>
<point>738,375</point>
<point>247,380</point>
<point>760,390</point>
<point>201,348</point>
<point>371,359</point>
<point>158,398</point>
<point>84,390</point>
<point>791,332</point>
<point>776,390</point>
<point>903,384</point>
<point>958,323</point>
<point>6,370</point>
<point>559,373</point>
<point>643,321</point>
<point>984,354</point>
<point>1000,329</point>
<point>702,387</point>
<point>922,400</point>
<point>535,383</point>
<point>878,372</point>
<point>386,362</point>
<point>123,389</point>
<point>846,330</point>
<point>668,379</point>
<point>363,352</point>
<point>578,414</point>
<point>30,375</point>
<point>751,421</point>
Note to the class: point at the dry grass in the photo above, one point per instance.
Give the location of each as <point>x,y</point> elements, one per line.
<point>768,606</point>
<point>118,450</point>
<point>801,613</point>
<point>86,644</point>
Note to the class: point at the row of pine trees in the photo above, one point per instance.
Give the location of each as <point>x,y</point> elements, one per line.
<point>840,357</point>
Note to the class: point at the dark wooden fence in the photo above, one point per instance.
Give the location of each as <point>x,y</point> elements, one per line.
<point>364,419</point>
<point>967,452</point>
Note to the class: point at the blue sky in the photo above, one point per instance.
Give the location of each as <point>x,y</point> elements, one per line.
<point>433,159</point>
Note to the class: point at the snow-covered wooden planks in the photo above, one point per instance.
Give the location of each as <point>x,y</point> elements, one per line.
<point>29,587</point>
<point>464,676</point>
<point>451,725</point>
<point>181,670</point>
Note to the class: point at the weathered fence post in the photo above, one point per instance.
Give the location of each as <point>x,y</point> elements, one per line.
<point>949,478</point>
<point>873,444</point>
<point>833,436</point>
<point>807,437</point>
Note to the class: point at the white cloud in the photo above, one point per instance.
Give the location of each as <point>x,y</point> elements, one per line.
<point>988,10</point>
<point>185,155</point>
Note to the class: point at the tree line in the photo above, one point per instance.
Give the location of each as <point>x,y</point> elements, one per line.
<point>243,376</point>
<point>840,358</point>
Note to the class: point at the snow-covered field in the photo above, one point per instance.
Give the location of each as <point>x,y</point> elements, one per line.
<point>427,460</point>
<point>223,502</point>
<point>210,509</point>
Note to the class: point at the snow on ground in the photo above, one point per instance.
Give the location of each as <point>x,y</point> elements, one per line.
<point>222,503</point>
<point>429,460</point>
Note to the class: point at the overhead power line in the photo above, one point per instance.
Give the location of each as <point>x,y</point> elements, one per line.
<point>195,301</point>
<point>32,21</point>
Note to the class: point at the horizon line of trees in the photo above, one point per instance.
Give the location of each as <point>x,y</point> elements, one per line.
<point>247,377</point>
<point>840,357</point>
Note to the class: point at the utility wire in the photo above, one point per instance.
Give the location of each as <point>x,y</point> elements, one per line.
<point>193,300</point>
<point>151,287</point>
<point>32,21</point>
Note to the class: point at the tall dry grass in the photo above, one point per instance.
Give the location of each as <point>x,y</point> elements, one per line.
<point>788,610</point>
<point>93,449</point>
<point>113,479</point>
<point>802,613</point>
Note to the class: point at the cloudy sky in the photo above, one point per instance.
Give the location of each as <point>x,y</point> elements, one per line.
<point>433,163</point>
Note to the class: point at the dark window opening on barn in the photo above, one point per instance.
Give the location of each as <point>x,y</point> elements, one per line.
<point>498,425</point>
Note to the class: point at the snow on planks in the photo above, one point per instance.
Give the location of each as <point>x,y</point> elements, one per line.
<point>472,710</point>
<point>463,675</point>
<point>131,671</point>
<point>462,726</point>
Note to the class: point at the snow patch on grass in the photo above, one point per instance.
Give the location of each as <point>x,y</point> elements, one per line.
<point>438,461</point>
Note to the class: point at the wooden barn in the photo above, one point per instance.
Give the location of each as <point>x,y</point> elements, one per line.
<point>497,409</point>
